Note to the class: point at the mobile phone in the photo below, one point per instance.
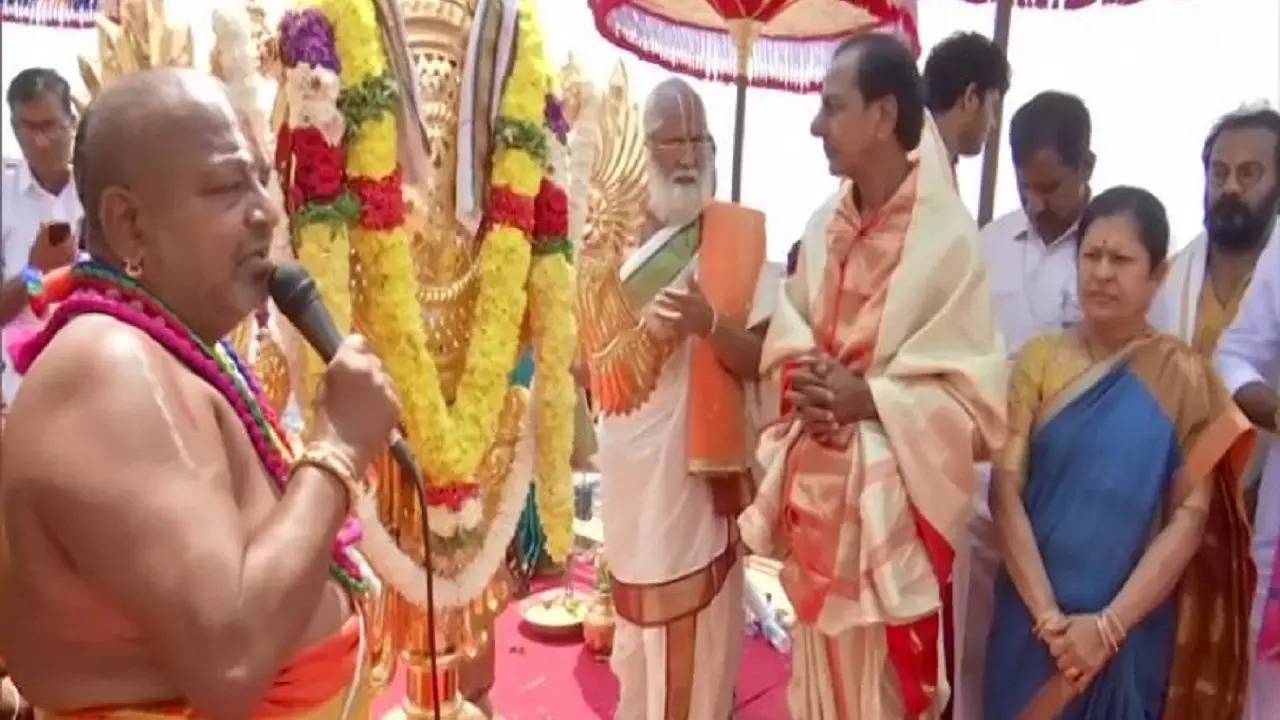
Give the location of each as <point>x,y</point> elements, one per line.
<point>59,232</point>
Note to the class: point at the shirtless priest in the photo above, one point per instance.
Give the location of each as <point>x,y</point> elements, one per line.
<point>892,370</point>
<point>167,554</point>
<point>673,477</point>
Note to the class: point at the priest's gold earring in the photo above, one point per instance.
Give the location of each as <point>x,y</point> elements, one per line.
<point>133,267</point>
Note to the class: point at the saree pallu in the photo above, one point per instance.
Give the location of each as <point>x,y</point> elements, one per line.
<point>1108,457</point>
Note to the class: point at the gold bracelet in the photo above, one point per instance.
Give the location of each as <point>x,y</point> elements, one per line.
<point>1105,631</point>
<point>333,462</point>
<point>1110,616</point>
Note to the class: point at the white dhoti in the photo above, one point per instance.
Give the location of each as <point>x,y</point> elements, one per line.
<point>685,668</point>
<point>973,597</point>
<point>674,559</point>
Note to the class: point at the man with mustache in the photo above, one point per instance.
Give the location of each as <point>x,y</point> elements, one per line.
<point>673,459</point>
<point>38,196</point>
<point>166,552</point>
<point>1242,198</point>
<point>1031,251</point>
<point>893,371</point>
<point>1209,277</point>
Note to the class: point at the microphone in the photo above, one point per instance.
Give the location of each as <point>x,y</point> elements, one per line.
<point>295,293</point>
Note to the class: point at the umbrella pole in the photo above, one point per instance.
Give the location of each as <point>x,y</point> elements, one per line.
<point>991,155</point>
<point>739,132</point>
<point>744,32</point>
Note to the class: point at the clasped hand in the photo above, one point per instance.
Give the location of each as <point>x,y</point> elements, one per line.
<point>679,313</point>
<point>1078,649</point>
<point>827,395</point>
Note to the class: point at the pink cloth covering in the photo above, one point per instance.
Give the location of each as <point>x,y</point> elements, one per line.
<point>16,334</point>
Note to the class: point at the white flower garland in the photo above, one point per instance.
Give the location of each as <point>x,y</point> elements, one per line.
<point>401,572</point>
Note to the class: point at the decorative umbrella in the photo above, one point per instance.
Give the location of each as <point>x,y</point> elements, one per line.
<point>55,13</point>
<point>781,44</point>
<point>1004,14</point>
<point>1059,4</point>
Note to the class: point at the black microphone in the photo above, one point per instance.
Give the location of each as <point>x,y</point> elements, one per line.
<point>295,293</point>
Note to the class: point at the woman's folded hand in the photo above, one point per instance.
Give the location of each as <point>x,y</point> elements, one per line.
<point>1080,650</point>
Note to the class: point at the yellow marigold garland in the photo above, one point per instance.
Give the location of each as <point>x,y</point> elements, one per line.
<point>450,444</point>
<point>551,302</point>
<point>555,339</point>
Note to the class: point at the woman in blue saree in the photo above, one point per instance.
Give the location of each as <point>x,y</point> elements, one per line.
<point>1124,593</point>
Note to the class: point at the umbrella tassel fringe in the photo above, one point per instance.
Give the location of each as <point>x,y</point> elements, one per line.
<point>796,65</point>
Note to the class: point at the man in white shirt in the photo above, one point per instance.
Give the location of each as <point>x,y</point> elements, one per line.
<point>38,202</point>
<point>1031,260</point>
<point>1248,358</point>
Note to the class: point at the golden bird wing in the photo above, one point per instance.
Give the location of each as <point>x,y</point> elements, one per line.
<point>143,38</point>
<point>623,358</point>
<point>619,175</point>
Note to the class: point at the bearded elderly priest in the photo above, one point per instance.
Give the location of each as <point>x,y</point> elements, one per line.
<point>673,452</point>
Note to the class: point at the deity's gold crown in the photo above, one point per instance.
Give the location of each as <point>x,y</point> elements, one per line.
<point>447,20</point>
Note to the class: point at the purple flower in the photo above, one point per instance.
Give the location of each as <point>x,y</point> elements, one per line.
<point>554,115</point>
<point>306,37</point>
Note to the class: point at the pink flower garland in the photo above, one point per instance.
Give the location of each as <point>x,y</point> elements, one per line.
<point>97,291</point>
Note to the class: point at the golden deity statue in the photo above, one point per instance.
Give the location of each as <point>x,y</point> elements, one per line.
<point>444,251</point>
<point>445,261</point>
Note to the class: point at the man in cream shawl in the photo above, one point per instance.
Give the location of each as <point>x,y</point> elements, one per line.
<point>670,542</point>
<point>893,377</point>
<point>1206,302</point>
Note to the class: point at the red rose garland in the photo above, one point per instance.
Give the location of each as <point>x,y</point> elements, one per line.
<point>551,220</point>
<point>381,201</point>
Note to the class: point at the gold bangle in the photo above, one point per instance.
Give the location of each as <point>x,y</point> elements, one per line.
<point>333,462</point>
<point>1118,629</point>
<point>1105,631</point>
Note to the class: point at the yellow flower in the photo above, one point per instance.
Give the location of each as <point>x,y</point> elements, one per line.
<point>356,37</point>
<point>372,152</point>
<point>517,170</point>
<point>323,249</point>
<point>555,342</point>
<point>452,441</point>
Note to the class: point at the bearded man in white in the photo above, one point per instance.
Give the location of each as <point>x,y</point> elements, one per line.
<point>673,482</point>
